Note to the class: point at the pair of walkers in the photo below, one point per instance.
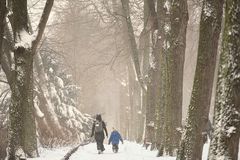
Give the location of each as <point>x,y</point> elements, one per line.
<point>98,129</point>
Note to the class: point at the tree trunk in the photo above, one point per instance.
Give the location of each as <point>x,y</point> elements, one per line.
<point>169,54</point>
<point>131,79</point>
<point>153,72</point>
<point>137,112</point>
<point>151,101</point>
<point>225,141</point>
<point>3,10</point>
<point>47,106</point>
<point>133,45</point>
<point>164,135</point>
<point>179,21</point>
<point>210,27</point>
<point>22,130</point>
<point>144,50</point>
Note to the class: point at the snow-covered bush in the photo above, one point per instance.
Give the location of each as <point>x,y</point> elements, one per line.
<point>4,103</point>
<point>64,95</point>
<point>63,98</point>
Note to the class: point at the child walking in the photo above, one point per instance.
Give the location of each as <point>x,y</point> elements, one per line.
<point>115,137</point>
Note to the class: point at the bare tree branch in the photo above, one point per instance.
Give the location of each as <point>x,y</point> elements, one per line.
<point>6,93</point>
<point>3,81</point>
<point>42,24</point>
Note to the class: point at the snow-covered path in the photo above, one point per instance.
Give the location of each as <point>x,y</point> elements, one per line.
<point>127,151</point>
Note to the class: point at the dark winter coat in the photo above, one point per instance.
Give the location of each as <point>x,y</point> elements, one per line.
<point>115,138</point>
<point>99,135</point>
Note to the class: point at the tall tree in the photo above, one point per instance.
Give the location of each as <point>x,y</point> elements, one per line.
<point>152,94</point>
<point>134,102</point>
<point>19,72</point>
<point>168,59</point>
<point>133,45</point>
<point>197,118</point>
<point>124,38</point>
<point>174,27</point>
<point>225,141</point>
<point>135,79</point>
<point>178,21</point>
<point>21,102</point>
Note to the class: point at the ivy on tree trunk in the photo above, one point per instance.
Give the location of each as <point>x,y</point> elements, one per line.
<point>225,141</point>
<point>191,144</point>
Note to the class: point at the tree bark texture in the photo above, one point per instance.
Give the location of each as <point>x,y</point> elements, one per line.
<point>197,118</point>
<point>172,19</point>
<point>22,129</point>
<point>19,73</point>
<point>3,11</point>
<point>225,141</point>
<point>179,21</point>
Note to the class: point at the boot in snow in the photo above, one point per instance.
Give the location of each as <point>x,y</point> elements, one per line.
<point>99,152</point>
<point>115,150</point>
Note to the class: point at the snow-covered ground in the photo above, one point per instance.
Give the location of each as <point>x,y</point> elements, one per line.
<point>127,151</point>
<point>51,154</point>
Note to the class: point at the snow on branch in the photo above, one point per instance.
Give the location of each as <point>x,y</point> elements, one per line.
<point>24,39</point>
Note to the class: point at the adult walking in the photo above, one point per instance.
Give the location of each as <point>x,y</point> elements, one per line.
<point>98,129</point>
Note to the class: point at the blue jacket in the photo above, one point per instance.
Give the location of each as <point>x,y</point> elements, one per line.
<point>115,137</point>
